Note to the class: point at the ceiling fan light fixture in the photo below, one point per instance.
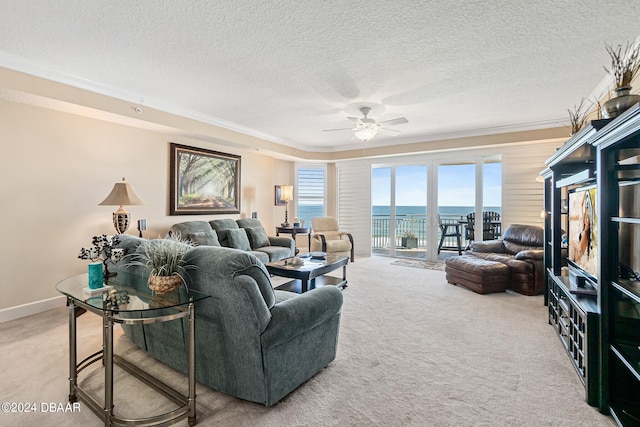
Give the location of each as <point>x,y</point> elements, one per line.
<point>366,133</point>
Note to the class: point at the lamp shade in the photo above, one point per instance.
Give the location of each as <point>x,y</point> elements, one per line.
<point>287,193</point>
<point>122,194</point>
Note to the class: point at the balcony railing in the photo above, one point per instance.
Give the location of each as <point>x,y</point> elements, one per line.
<point>414,224</point>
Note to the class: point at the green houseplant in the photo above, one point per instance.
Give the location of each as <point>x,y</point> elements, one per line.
<point>164,258</point>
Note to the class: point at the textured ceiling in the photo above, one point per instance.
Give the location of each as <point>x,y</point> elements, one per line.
<point>285,70</point>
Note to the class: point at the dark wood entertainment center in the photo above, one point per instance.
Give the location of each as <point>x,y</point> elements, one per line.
<point>595,308</point>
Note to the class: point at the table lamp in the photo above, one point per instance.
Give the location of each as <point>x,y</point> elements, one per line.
<point>121,195</point>
<point>286,196</point>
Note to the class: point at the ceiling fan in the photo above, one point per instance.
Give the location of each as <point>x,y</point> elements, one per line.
<point>366,128</point>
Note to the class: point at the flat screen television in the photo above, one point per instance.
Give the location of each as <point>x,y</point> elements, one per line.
<point>583,232</point>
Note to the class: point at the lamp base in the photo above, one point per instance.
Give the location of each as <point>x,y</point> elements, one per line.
<point>285,224</point>
<point>121,221</point>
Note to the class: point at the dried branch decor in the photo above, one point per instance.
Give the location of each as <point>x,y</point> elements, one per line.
<point>625,63</point>
<point>578,116</point>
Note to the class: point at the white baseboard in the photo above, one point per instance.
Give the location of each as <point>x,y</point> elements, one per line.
<point>24,310</point>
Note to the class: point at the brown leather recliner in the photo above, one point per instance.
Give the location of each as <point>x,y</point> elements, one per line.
<point>522,250</point>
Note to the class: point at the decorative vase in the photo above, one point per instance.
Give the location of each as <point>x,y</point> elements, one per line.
<point>621,102</point>
<point>96,277</point>
<point>164,284</point>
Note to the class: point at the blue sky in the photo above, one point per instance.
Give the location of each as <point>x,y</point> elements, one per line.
<point>456,185</point>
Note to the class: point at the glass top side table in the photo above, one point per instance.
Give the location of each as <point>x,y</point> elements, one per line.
<point>115,304</point>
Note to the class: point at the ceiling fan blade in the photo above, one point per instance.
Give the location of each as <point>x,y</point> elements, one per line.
<point>392,130</point>
<point>354,119</point>
<point>329,130</point>
<point>398,121</point>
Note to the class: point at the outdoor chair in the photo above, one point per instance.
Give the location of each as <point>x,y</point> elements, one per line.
<point>487,229</point>
<point>449,230</point>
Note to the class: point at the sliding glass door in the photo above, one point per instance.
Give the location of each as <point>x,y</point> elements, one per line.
<point>456,200</point>
<point>381,212</point>
<point>411,211</point>
<point>399,211</point>
<point>414,205</point>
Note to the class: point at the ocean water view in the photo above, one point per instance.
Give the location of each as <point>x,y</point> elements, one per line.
<point>445,211</point>
<point>308,212</point>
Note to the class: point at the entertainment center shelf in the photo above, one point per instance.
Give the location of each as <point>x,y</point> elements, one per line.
<point>575,319</point>
<point>592,235</point>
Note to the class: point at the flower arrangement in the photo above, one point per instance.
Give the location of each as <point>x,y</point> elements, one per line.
<point>104,249</point>
<point>625,63</point>
<point>409,235</point>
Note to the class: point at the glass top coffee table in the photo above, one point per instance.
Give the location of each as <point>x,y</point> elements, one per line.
<point>311,274</point>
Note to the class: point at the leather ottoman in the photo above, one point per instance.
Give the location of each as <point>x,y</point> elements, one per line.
<point>479,275</point>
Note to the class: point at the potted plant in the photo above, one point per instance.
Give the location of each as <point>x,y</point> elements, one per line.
<point>105,250</point>
<point>409,240</point>
<point>164,258</point>
<point>625,65</point>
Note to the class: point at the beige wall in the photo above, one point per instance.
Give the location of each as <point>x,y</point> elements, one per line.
<point>57,167</point>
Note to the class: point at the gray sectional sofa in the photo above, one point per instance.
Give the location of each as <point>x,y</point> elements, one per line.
<point>252,342</point>
<point>245,234</point>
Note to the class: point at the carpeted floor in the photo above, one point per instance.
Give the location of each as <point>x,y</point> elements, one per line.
<point>429,265</point>
<point>413,351</point>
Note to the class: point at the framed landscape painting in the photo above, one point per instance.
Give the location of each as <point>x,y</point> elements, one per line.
<point>278,199</point>
<point>203,182</point>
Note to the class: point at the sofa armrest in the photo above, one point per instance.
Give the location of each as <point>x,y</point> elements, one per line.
<point>495,246</point>
<point>286,242</point>
<point>532,254</point>
<point>297,315</point>
<point>322,239</point>
<point>353,248</point>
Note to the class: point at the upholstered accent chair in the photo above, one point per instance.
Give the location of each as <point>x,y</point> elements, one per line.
<point>326,237</point>
<point>522,250</point>
<point>252,342</point>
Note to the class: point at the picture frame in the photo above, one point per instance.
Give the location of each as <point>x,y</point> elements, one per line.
<point>278,195</point>
<point>203,182</point>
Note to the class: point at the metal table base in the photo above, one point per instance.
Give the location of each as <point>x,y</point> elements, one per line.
<point>186,404</point>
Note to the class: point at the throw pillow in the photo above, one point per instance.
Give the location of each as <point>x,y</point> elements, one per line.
<point>238,239</point>
<point>258,237</point>
<point>204,238</point>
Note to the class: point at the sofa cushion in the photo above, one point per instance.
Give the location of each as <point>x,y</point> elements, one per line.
<point>496,246</point>
<point>338,246</point>
<point>183,229</point>
<point>204,238</point>
<point>249,223</point>
<point>262,256</point>
<point>221,226</point>
<point>238,239</point>
<point>228,263</point>
<point>527,235</point>
<point>274,253</point>
<point>514,248</point>
<point>258,237</point>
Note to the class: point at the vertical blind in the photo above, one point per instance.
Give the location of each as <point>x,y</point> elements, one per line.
<point>311,193</point>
